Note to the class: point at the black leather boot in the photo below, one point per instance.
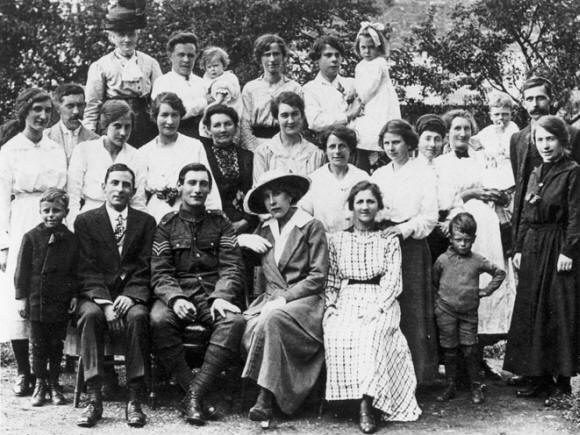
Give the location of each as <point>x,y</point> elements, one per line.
<point>262,409</point>
<point>56,394</point>
<point>193,408</point>
<point>39,394</point>
<point>133,412</point>
<point>93,412</point>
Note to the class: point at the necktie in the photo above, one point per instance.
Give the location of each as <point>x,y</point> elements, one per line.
<point>119,230</point>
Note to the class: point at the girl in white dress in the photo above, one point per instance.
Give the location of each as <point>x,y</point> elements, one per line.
<point>373,86</point>
<point>30,163</point>
<point>165,155</point>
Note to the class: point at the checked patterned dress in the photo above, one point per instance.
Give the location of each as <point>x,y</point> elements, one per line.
<point>366,352</point>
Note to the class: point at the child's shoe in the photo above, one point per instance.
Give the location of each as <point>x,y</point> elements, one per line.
<point>448,393</point>
<point>477,393</point>
<point>56,395</point>
<point>39,394</point>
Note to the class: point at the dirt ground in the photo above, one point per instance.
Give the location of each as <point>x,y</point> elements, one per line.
<point>502,414</point>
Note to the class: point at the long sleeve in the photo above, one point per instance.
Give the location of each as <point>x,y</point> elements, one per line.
<point>423,223</point>
<point>572,240</point>
<point>318,117</point>
<point>163,273</point>
<point>392,280</point>
<point>76,175</point>
<point>214,201</point>
<point>368,78</point>
<point>333,282</point>
<point>436,274</point>
<point>261,162</point>
<point>314,282</point>
<point>497,276</point>
<point>95,95</point>
<point>137,286</point>
<point>23,271</point>
<point>249,141</point>
<point>230,283</point>
<point>6,182</point>
<point>139,200</point>
<point>93,281</point>
<point>514,154</point>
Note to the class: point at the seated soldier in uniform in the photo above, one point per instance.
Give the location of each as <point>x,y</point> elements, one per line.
<point>197,275</point>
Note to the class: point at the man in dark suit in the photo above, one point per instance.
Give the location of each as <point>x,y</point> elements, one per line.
<point>115,248</point>
<point>537,93</point>
<point>69,99</point>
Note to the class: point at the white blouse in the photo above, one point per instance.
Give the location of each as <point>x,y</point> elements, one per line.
<point>409,197</point>
<point>302,158</point>
<point>326,198</point>
<point>86,174</point>
<point>163,163</point>
<point>27,167</point>
<point>191,91</point>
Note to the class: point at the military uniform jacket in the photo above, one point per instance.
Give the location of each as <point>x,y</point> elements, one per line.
<point>197,258</point>
<point>46,272</point>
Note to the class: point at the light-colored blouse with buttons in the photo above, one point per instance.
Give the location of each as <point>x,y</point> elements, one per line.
<point>409,196</point>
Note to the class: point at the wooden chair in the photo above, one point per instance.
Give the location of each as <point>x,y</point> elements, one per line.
<point>114,347</point>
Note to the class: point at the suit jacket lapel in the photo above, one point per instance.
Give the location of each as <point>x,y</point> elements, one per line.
<point>131,230</point>
<point>106,230</point>
<point>294,240</point>
<point>269,263</point>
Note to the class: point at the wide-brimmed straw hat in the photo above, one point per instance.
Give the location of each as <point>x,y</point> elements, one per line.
<point>254,200</point>
<point>123,15</point>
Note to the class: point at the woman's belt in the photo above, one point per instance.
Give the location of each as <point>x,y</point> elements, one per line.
<point>375,281</point>
<point>265,132</point>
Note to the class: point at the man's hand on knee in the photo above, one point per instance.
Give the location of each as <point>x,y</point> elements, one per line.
<point>122,304</point>
<point>221,306</point>
<point>185,310</point>
<point>114,323</point>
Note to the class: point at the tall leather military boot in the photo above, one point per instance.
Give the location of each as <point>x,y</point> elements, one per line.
<point>215,360</point>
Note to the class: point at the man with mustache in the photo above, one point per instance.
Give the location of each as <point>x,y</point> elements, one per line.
<point>181,50</point>
<point>197,276</point>
<point>69,99</point>
<point>524,156</point>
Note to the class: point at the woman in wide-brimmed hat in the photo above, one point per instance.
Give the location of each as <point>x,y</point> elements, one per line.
<point>124,73</point>
<point>283,336</point>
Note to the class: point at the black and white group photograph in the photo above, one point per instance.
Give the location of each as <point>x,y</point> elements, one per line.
<point>290,217</point>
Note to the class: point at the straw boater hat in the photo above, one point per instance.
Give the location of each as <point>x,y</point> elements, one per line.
<point>254,200</point>
<point>125,15</point>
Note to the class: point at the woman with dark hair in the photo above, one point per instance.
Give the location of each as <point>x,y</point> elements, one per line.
<point>165,155</point>
<point>231,165</point>
<point>257,124</point>
<point>30,164</point>
<point>544,337</point>
<point>331,183</point>
<point>125,73</point>
<point>283,337</point>
<point>461,182</point>
<point>91,159</point>
<point>410,197</point>
<point>288,149</point>
<point>431,130</point>
<point>367,356</point>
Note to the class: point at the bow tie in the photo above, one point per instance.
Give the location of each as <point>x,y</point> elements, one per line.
<point>462,154</point>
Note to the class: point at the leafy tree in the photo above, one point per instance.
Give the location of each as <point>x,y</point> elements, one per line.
<point>497,44</point>
<point>43,45</point>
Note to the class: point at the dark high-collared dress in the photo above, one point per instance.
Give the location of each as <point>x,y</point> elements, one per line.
<point>544,337</point>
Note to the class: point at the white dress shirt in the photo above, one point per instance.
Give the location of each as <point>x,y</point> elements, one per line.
<point>326,198</point>
<point>326,102</point>
<point>192,91</point>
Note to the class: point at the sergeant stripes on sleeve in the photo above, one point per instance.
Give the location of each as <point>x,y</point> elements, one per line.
<point>160,247</point>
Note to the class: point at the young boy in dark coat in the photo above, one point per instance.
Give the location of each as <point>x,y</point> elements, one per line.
<point>46,284</point>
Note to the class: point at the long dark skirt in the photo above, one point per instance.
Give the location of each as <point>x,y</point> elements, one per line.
<point>544,336</point>
<point>416,301</point>
<point>282,357</point>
